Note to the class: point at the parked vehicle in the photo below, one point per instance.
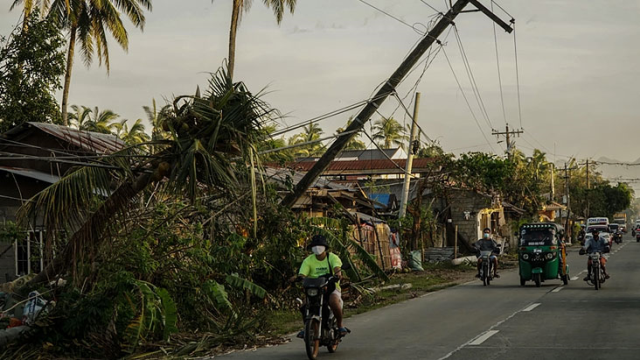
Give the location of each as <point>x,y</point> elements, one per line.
<point>320,326</point>
<point>542,254</point>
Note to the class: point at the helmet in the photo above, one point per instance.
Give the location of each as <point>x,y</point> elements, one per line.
<point>486,230</point>
<point>595,231</point>
<point>318,240</point>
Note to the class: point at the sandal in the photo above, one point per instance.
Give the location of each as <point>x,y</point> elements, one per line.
<point>344,331</point>
<point>300,334</point>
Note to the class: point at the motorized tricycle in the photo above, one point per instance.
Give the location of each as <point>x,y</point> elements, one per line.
<point>542,254</point>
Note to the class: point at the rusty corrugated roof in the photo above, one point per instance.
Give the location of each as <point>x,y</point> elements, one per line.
<point>34,174</point>
<point>93,142</point>
<point>360,164</point>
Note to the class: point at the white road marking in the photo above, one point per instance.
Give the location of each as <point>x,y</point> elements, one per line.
<point>483,337</point>
<point>583,271</point>
<point>530,307</point>
<point>574,278</point>
<point>491,328</point>
<point>557,289</point>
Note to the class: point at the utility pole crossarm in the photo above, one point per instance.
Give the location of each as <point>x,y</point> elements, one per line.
<point>492,16</point>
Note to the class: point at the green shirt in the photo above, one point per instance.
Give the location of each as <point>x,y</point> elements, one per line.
<point>313,268</point>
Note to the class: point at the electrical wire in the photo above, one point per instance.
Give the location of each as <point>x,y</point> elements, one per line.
<point>495,38</point>
<point>398,19</point>
<point>475,118</point>
<point>515,48</point>
<point>429,5</point>
<point>472,79</point>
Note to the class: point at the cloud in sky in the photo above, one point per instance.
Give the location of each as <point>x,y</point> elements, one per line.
<point>578,72</point>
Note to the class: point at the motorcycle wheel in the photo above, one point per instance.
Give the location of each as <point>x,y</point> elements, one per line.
<point>596,277</point>
<point>334,343</point>
<point>538,279</point>
<point>312,338</point>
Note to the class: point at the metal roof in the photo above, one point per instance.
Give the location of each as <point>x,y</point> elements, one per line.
<point>90,141</point>
<point>359,165</point>
<point>30,173</point>
<point>281,176</point>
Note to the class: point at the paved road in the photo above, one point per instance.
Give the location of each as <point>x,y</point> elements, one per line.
<point>503,321</point>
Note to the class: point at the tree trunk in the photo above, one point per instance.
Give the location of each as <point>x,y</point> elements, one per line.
<point>93,229</point>
<point>232,36</point>
<point>67,76</point>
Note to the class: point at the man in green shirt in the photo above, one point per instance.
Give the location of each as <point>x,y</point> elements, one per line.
<point>324,263</point>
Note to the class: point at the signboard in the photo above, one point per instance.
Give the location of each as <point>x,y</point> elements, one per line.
<point>598,221</point>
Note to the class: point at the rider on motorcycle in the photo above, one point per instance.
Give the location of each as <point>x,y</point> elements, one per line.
<point>488,244</point>
<point>319,264</point>
<point>592,245</point>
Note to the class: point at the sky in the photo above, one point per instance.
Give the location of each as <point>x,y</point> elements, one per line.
<point>577,63</point>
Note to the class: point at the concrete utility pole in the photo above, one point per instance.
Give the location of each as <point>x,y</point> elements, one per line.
<point>508,135</point>
<point>553,185</point>
<point>409,164</point>
<point>387,89</point>
<point>567,176</point>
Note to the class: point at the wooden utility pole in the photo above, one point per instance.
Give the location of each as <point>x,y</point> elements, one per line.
<point>387,89</point>
<point>508,134</point>
<point>409,165</point>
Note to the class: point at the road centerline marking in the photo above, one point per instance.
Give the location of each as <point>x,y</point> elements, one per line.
<point>530,307</point>
<point>557,289</point>
<point>574,278</point>
<point>484,337</point>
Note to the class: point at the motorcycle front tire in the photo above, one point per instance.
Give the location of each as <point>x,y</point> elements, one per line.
<point>312,338</point>
<point>596,277</point>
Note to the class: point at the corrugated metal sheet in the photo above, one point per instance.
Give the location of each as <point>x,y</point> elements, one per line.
<point>48,178</point>
<point>90,141</point>
<point>320,183</point>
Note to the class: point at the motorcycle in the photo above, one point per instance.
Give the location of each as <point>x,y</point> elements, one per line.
<point>486,268</point>
<point>597,276</point>
<point>638,237</point>
<point>617,237</point>
<point>320,326</point>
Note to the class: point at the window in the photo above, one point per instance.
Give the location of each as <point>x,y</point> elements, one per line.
<point>29,253</point>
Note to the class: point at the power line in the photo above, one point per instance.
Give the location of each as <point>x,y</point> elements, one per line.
<point>432,8</point>
<point>495,38</point>
<point>472,80</point>
<point>515,48</point>
<point>466,100</point>
<point>398,19</point>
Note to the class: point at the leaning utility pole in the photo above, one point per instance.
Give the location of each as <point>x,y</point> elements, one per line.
<point>387,89</point>
<point>409,165</point>
<point>508,134</point>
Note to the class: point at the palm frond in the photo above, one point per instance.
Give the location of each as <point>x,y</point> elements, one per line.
<point>241,283</point>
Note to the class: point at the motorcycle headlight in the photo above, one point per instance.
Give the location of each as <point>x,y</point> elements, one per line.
<point>549,256</point>
<point>525,256</point>
<point>312,292</point>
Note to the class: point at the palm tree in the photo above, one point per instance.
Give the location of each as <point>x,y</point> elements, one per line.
<point>210,137</point>
<point>88,22</point>
<point>136,134</point>
<point>278,7</point>
<point>29,6</point>
<point>156,119</point>
<point>389,132</point>
<point>94,120</point>
<point>354,143</point>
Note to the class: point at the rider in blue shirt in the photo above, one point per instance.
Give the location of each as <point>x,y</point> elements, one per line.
<point>596,244</point>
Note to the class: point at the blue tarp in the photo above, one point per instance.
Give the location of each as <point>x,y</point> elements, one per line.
<point>381,198</point>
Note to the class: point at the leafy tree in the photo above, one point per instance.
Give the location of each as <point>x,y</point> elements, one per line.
<point>278,6</point>
<point>134,136</point>
<point>31,63</point>
<point>389,132</point>
<point>88,22</point>
<point>310,133</point>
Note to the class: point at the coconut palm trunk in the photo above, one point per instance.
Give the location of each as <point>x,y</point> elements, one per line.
<point>67,76</point>
<point>95,226</point>
<point>235,14</point>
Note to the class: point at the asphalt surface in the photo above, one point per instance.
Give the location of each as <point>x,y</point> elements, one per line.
<point>501,321</point>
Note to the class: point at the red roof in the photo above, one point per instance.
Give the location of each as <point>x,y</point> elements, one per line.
<point>360,165</point>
